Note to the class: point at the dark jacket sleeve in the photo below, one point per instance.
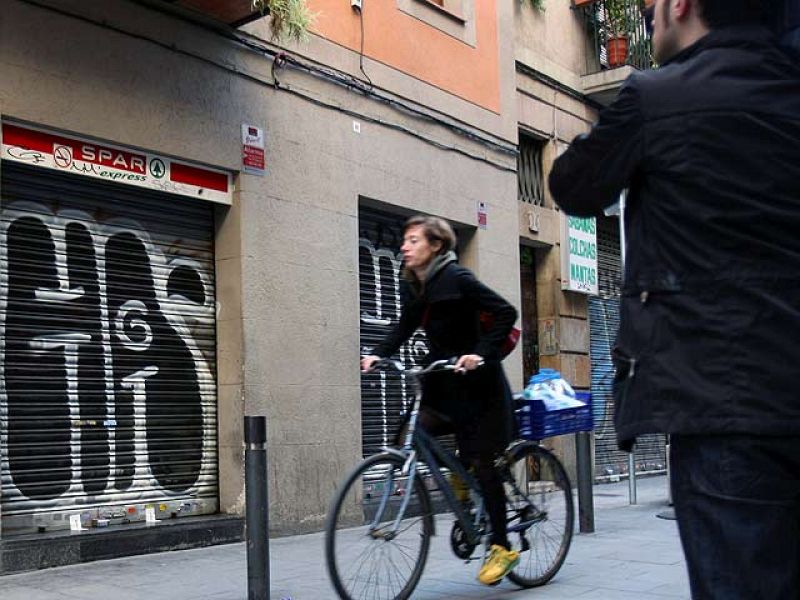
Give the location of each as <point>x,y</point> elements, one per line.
<point>484,299</point>
<point>411,313</point>
<point>592,172</point>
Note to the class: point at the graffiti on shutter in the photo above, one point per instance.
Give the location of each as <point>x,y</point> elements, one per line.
<point>384,395</point>
<point>108,391</point>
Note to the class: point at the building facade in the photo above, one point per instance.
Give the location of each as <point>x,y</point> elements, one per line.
<point>156,289</point>
<point>199,223</point>
<point>566,70</point>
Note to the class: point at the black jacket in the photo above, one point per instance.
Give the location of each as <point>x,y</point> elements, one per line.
<point>448,309</point>
<point>709,146</point>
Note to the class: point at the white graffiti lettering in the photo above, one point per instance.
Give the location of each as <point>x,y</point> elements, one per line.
<point>133,307</point>
<point>101,325</point>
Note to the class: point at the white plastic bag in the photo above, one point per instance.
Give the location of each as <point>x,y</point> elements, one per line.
<point>553,390</point>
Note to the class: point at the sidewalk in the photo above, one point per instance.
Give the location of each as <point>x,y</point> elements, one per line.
<point>632,555</point>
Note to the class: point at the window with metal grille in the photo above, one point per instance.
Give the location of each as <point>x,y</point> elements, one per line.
<point>530,175</point>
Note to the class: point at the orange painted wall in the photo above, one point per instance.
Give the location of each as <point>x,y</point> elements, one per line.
<point>416,48</point>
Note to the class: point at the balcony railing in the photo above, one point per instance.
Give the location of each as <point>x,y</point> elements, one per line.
<point>617,32</point>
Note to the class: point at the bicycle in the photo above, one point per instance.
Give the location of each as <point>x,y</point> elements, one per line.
<point>380,523</point>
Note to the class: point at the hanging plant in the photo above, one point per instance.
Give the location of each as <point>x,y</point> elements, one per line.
<point>291,19</point>
<point>537,4</point>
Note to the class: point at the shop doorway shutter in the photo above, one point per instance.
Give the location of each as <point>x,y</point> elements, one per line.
<point>384,396</point>
<point>610,462</point>
<point>107,346</point>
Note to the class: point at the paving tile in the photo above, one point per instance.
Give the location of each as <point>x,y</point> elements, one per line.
<point>605,594</point>
<point>673,590</point>
<point>12,592</point>
<point>631,555</point>
<point>97,590</point>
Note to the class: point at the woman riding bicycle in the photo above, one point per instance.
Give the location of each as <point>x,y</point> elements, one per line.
<point>448,302</point>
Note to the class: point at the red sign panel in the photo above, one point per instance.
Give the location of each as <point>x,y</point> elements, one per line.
<point>105,161</point>
<point>253,158</point>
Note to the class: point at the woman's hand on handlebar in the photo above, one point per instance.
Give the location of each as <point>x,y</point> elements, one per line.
<point>468,362</point>
<point>367,362</point>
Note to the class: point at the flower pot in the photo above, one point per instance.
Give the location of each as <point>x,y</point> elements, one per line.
<point>617,48</point>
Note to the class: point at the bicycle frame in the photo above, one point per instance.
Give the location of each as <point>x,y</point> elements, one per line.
<point>419,445</point>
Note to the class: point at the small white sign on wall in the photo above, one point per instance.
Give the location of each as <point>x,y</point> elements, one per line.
<point>482,215</point>
<point>75,523</point>
<point>150,514</point>
<point>253,158</point>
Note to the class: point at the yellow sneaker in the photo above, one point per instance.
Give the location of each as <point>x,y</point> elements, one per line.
<point>498,564</point>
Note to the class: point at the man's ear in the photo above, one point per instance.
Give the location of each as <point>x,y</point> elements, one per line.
<point>682,9</point>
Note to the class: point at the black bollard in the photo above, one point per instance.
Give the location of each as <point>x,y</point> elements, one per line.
<point>583,450</point>
<point>255,482</point>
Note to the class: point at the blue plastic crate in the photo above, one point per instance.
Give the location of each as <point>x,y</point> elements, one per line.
<point>537,423</point>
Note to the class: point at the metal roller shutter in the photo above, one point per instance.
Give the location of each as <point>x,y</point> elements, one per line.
<point>384,396</point>
<point>107,350</point>
<point>603,325</point>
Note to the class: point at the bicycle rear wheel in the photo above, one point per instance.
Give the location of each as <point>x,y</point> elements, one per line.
<point>541,514</point>
<point>369,554</point>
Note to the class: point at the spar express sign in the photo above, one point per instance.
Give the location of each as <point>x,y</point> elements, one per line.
<point>579,255</point>
<point>41,148</point>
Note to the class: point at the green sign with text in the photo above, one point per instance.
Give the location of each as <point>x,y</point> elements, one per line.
<point>579,252</point>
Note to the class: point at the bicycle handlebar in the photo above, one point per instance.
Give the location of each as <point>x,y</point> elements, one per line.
<point>446,364</point>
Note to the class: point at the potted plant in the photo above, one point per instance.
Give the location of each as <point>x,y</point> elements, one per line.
<point>537,4</point>
<point>291,19</point>
<point>619,26</point>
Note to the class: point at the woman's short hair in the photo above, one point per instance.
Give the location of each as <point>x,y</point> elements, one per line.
<point>435,230</point>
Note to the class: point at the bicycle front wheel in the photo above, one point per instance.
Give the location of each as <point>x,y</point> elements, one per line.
<point>378,531</point>
<point>541,514</point>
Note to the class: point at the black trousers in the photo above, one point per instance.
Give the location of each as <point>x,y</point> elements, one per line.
<point>737,502</point>
<point>476,453</point>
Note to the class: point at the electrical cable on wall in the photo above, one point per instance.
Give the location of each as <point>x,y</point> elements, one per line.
<point>277,63</point>
<point>361,51</point>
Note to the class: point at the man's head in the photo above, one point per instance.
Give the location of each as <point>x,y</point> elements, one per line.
<point>678,24</point>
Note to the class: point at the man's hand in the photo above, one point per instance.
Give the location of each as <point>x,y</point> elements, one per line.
<point>468,362</point>
<point>367,362</point>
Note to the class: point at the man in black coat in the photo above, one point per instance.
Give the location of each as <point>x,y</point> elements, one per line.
<point>709,342</point>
